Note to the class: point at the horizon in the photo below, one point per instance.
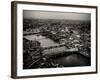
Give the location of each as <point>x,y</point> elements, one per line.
<point>29,14</point>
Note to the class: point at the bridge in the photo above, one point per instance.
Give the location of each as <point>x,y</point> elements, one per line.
<point>25,33</point>
<point>58,50</point>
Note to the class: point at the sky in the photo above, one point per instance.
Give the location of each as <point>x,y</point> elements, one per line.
<point>31,14</point>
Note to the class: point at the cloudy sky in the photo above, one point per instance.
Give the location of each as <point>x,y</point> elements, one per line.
<point>29,14</point>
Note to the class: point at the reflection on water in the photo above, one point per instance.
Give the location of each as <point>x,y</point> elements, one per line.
<point>45,42</point>
<point>74,59</point>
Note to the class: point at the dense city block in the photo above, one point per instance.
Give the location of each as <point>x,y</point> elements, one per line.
<point>51,43</point>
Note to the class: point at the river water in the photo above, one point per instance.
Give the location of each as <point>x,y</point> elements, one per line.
<point>45,42</point>
<point>67,61</point>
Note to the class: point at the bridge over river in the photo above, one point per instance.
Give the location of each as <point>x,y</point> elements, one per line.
<point>52,48</point>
